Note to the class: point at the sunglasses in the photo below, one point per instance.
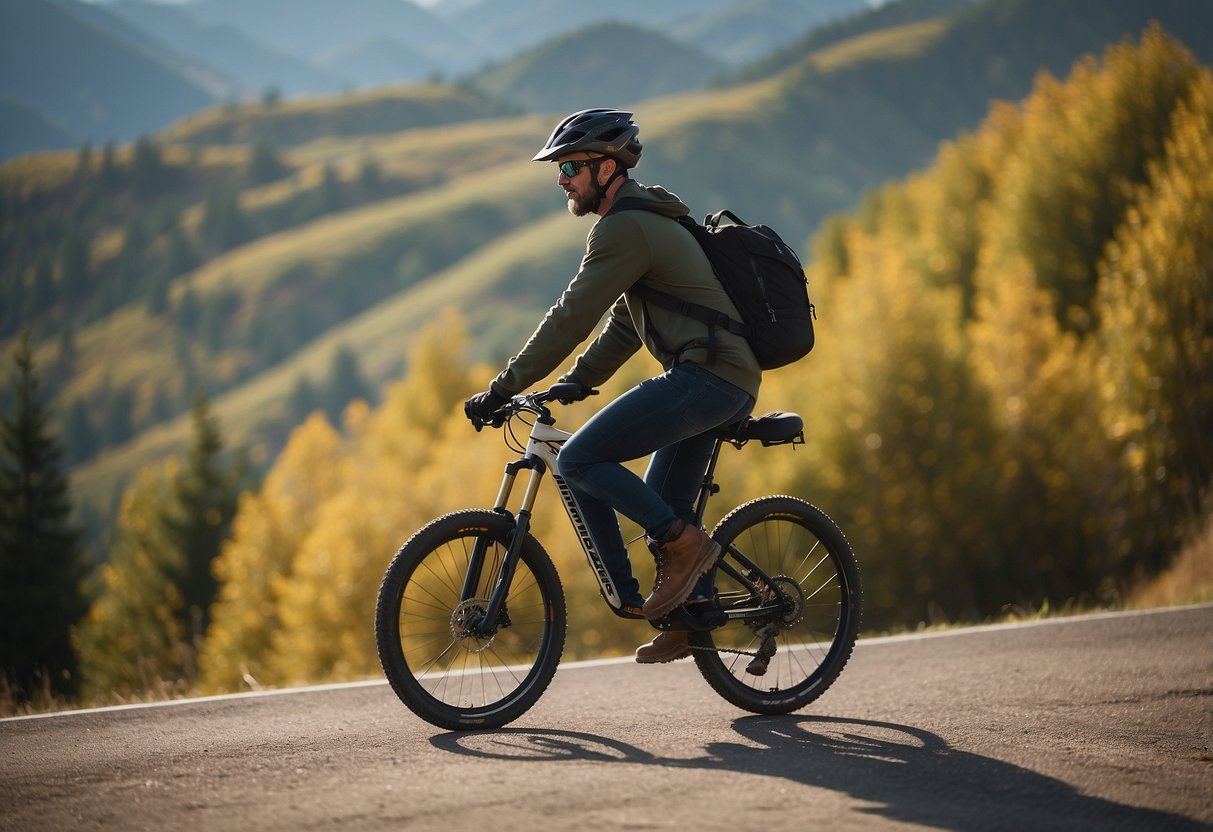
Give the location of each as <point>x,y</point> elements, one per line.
<point>571,169</point>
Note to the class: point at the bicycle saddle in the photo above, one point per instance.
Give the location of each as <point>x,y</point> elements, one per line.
<point>770,428</point>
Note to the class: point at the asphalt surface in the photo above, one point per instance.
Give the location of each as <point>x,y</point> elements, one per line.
<point>1095,723</point>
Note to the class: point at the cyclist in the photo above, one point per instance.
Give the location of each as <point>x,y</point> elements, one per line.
<point>672,416</point>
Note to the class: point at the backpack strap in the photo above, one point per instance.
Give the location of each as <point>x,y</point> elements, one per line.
<point>704,314</point>
<point>713,318</point>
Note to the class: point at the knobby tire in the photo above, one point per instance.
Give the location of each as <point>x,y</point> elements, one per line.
<point>787,537</point>
<point>441,671</point>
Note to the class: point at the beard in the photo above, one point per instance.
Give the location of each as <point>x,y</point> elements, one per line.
<point>582,204</point>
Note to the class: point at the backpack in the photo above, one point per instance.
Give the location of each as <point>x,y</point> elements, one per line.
<point>762,276</point>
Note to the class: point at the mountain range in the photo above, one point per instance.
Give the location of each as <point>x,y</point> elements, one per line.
<point>74,72</point>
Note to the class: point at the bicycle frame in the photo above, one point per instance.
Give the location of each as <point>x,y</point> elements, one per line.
<point>542,448</point>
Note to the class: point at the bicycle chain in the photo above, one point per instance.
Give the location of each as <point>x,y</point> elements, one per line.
<point>725,650</point>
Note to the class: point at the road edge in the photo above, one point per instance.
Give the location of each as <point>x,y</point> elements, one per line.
<point>951,632</point>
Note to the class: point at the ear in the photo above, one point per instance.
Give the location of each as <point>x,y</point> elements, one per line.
<point>605,173</point>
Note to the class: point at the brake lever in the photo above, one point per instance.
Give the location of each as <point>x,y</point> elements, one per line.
<point>495,420</point>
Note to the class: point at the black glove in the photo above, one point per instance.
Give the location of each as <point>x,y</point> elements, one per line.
<point>576,392</point>
<point>480,408</point>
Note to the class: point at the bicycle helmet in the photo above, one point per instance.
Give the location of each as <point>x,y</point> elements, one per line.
<point>600,130</point>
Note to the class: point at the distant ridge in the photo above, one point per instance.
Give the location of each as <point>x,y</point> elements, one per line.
<point>253,67</point>
<point>594,65</point>
<point>81,76</point>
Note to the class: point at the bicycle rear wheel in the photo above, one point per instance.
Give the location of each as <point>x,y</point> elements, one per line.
<point>425,628</point>
<point>803,551</point>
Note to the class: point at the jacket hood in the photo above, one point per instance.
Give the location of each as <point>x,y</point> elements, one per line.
<point>669,205</point>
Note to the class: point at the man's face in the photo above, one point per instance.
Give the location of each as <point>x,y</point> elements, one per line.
<point>581,187</point>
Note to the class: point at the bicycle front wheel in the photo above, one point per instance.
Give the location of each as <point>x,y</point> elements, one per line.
<point>428,623</point>
<point>808,557</point>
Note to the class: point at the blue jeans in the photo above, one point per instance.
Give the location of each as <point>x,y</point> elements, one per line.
<point>673,417</point>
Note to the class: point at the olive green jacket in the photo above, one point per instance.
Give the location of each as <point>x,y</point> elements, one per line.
<point>623,249</point>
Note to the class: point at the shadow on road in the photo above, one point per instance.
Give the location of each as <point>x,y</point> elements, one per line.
<point>905,773</point>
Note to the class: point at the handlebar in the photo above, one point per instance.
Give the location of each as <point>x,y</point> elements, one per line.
<point>565,392</point>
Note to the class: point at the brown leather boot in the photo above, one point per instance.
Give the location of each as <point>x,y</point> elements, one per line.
<point>669,646</point>
<point>680,562</point>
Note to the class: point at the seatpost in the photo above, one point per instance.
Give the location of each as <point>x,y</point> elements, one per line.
<point>708,487</point>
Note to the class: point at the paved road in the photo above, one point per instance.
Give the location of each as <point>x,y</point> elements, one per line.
<point>1095,723</point>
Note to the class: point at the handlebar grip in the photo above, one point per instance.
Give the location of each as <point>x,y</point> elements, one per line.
<point>567,392</point>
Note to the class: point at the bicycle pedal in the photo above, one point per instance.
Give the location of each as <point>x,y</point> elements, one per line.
<point>758,666</point>
<point>671,622</point>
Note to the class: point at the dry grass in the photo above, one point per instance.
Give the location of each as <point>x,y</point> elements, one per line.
<point>46,701</point>
<point>1189,580</point>
<point>886,44</point>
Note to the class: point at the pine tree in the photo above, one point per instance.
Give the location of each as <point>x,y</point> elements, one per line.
<point>303,399</point>
<point>223,225</point>
<point>264,163</point>
<point>345,383</point>
<point>148,171</point>
<point>109,174</point>
<point>84,160</point>
<point>40,559</point>
<point>327,196</point>
<point>370,177</point>
<point>204,495</point>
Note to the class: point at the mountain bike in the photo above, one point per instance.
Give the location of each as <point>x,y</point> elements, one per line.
<point>470,622</point>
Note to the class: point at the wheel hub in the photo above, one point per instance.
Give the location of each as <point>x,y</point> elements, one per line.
<point>795,596</point>
<point>465,625</point>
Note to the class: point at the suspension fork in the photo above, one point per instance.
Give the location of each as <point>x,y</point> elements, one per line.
<point>509,563</point>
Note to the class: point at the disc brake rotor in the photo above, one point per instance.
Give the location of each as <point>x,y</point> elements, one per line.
<point>465,620</point>
<point>792,591</point>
